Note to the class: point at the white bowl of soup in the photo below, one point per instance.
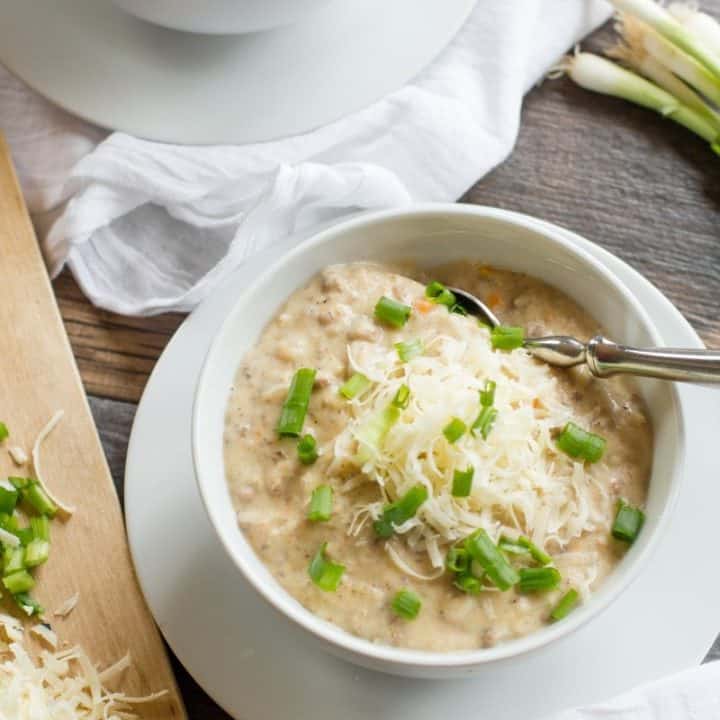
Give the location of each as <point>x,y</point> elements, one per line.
<point>411,488</point>
<point>220,17</point>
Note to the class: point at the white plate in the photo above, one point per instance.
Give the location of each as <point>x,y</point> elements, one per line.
<point>258,666</point>
<point>108,67</point>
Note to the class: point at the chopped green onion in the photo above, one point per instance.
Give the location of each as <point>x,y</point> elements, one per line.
<point>19,483</point>
<point>406,604</point>
<point>468,583</point>
<point>484,422</point>
<point>566,603</point>
<point>9,522</point>
<point>25,535</point>
<point>434,289</point>
<point>13,560</point>
<point>458,310</point>
<point>307,450</point>
<point>4,432</point>
<point>40,527</point>
<point>392,312</point>
<point>579,443</point>
<point>505,337</point>
<point>537,579</point>
<point>35,495</point>
<point>37,552</point>
<point>324,573</point>
<point>321,502</point>
<point>28,604</point>
<point>462,482</point>
<point>294,409</point>
<point>441,295</point>
<point>19,582</point>
<point>538,555</point>
<point>372,433</point>
<point>400,511</point>
<point>493,562</point>
<point>8,500</point>
<point>487,394</point>
<point>355,386</point>
<point>512,547</point>
<point>454,430</point>
<point>402,397</point>
<point>457,559</point>
<point>409,349</point>
<point>628,522</point>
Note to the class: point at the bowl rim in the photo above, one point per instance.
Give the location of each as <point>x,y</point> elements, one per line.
<point>405,659</point>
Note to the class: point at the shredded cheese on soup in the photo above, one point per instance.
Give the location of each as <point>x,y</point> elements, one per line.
<point>522,483</point>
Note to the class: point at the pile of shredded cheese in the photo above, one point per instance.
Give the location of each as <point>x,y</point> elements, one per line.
<point>58,685</point>
<point>522,483</point>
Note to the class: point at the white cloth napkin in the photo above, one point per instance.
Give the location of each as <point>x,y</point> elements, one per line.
<point>690,695</point>
<point>147,227</point>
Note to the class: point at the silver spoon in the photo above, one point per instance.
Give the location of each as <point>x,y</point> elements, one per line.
<point>604,357</point>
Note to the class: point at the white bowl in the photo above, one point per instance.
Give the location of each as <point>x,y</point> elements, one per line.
<point>431,235</point>
<point>220,17</point>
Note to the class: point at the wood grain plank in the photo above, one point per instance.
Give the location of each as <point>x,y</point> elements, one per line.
<point>115,354</point>
<point>89,552</point>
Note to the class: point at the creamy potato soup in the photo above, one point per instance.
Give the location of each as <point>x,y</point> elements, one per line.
<point>420,480</point>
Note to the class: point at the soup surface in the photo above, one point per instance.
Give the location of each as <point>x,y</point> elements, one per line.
<point>522,484</point>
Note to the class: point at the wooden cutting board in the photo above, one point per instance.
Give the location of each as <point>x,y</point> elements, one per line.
<point>89,551</point>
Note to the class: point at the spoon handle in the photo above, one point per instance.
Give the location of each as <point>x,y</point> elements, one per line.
<point>605,358</point>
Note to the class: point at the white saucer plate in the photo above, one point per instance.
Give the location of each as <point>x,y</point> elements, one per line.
<point>258,666</point>
<point>119,72</point>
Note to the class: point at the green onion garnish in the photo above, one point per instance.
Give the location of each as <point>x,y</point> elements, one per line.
<point>402,397</point>
<point>25,535</point>
<point>8,500</point>
<point>406,604</point>
<point>28,604</point>
<point>512,547</point>
<point>440,294</point>
<point>462,482</point>
<point>540,556</point>
<point>468,583</point>
<point>372,433</point>
<point>321,502</point>
<point>324,573</point>
<point>13,560</point>
<point>392,312</point>
<point>4,432</point>
<point>39,499</point>
<point>579,443</point>
<point>409,349</point>
<point>505,337</point>
<point>36,552</point>
<point>40,527</point>
<point>19,582</point>
<point>454,430</point>
<point>537,579</point>
<point>484,422</point>
<point>487,394</point>
<point>628,522</point>
<point>458,310</point>
<point>457,559</point>
<point>307,450</point>
<point>493,562</point>
<point>400,511</point>
<point>565,605</point>
<point>19,483</point>
<point>356,385</point>
<point>292,416</point>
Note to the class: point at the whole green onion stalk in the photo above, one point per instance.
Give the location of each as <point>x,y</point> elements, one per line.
<point>631,51</point>
<point>600,75</point>
<point>658,18</point>
<point>704,27</point>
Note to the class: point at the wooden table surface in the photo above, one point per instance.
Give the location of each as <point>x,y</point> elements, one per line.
<point>621,176</point>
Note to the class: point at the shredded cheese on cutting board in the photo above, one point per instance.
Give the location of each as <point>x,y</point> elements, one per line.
<point>522,483</point>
